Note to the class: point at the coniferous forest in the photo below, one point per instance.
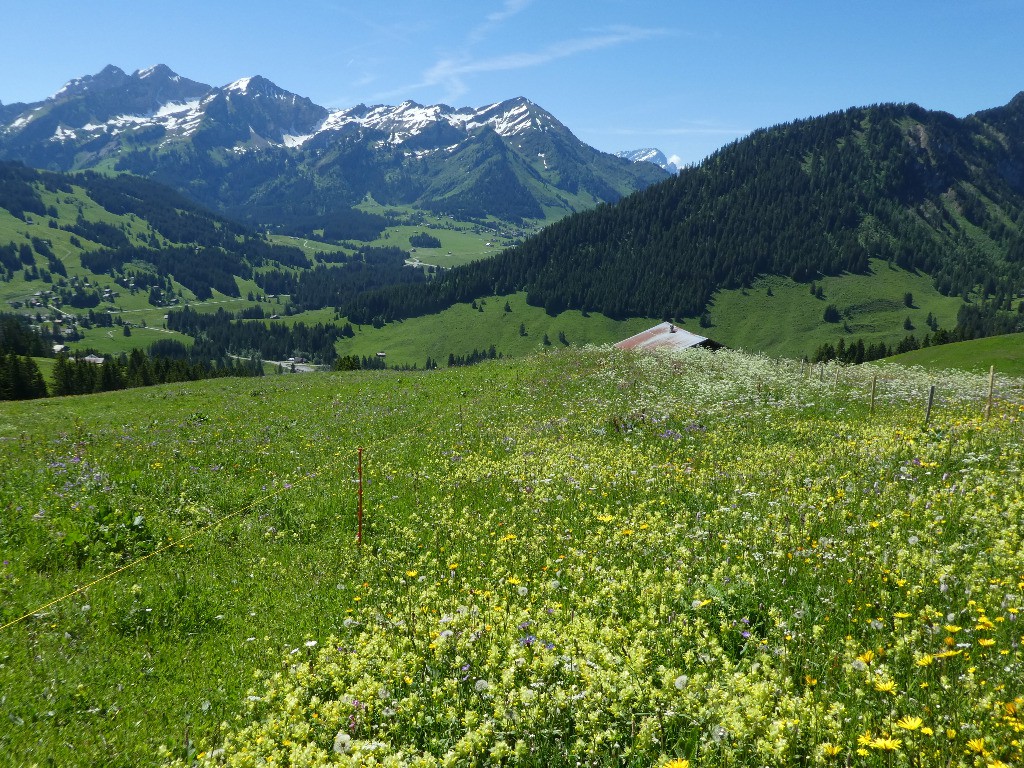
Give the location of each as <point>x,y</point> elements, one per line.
<point>923,190</point>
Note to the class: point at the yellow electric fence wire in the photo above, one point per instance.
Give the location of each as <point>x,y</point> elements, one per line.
<point>172,544</point>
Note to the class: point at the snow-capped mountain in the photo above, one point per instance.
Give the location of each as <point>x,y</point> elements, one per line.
<point>649,155</point>
<point>251,147</point>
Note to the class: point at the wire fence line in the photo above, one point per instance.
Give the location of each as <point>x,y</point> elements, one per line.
<point>176,542</point>
<point>1010,391</point>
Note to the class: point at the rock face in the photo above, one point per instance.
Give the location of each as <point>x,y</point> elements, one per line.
<point>258,152</point>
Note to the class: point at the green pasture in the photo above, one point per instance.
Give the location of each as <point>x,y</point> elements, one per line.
<point>789,323</point>
<point>1006,353</point>
<point>462,329</point>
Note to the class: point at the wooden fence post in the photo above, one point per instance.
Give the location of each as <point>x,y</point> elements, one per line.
<point>359,504</point>
<point>874,383</point>
<point>991,385</point>
<point>928,410</point>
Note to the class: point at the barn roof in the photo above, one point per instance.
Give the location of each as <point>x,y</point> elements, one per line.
<point>666,336</point>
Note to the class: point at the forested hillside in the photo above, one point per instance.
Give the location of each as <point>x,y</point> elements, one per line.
<point>923,190</point>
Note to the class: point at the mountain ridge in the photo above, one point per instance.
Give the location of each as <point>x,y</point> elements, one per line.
<point>251,135</point>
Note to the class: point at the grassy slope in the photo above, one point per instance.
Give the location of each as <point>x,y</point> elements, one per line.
<point>461,241</point>
<point>789,323</point>
<point>1006,353</point>
<point>636,517</point>
<point>462,329</point>
<point>132,307</point>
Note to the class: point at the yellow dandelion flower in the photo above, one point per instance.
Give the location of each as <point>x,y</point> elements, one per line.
<point>952,628</point>
<point>997,763</point>
<point>867,656</point>
<point>909,723</point>
<point>925,660</point>
<point>678,763</point>
<point>411,574</point>
<point>885,686</point>
<point>927,731</point>
<point>829,749</point>
<point>886,744</point>
<point>977,745</point>
<point>986,642</point>
<point>865,738</point>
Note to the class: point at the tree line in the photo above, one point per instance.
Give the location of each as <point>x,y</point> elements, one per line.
<point>165,361</point>
<point>222,333</point>
<point>974,321</point>
<point>137,369</point>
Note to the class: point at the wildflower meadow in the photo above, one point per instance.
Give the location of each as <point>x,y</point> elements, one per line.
<point>582,558</point>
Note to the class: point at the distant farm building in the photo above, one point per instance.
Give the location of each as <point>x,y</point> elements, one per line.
<point>667,336</point>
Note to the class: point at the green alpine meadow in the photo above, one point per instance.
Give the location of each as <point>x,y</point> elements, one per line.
<point>581,557</point>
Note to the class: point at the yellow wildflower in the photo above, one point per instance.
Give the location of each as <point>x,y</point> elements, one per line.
<point>885,686</point>
<point>909,723</point>
<point>886,744</point>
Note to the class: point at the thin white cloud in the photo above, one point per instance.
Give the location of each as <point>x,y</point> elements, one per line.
<point>698,128</point>
<point>509,9</point>
<point>451,72</point>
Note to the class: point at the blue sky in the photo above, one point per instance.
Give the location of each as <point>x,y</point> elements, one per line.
<point>685,77</point>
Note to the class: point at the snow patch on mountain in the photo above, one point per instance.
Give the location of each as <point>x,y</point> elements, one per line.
<point>295,141</point>
<point>508,123</point>
<point>70,85</point>
<point>410,119</point>
<point>241,85</point>
<point>63,134</point>
<point>181,118</point>
<point>651,155</point>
